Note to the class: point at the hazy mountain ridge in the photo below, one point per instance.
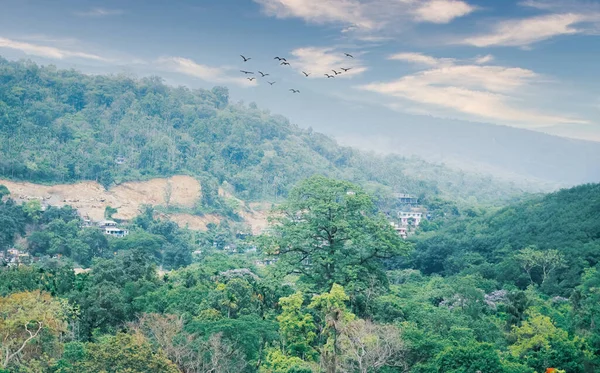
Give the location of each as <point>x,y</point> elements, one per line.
<point>506,152</point>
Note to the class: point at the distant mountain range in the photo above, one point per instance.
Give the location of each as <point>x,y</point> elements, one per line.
<point>500,150</point>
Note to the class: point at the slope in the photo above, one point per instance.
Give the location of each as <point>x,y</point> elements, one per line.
<point>567,221</point>
<point>63,126</point>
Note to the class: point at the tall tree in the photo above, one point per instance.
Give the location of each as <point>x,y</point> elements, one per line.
<point>328,231</point>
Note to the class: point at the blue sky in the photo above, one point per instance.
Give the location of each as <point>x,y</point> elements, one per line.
<point>530,64</point>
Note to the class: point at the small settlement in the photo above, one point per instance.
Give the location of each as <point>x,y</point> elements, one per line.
<point>409,217</point>
<point>14,256</point>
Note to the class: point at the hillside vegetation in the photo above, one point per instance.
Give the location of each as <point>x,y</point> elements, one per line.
<point>327,305</point>
<point>330,286</point>
<point>567,222</point>
<point>63,126</point>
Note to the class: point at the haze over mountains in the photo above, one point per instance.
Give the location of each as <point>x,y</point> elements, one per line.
<point>503,151</point>
<point>500,150</point>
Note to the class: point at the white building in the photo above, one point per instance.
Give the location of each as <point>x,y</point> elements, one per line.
<point>410,218</point>
<point>116,232</point>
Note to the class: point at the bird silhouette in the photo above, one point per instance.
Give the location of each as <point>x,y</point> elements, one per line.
<point>280,59</point>
<point>250,79</point>
<point>349,68</point>
<point>285,63</point>
<point>295,90</point>
<point>245,59</point>
<point>349,55</point>
<point>307,74</point>
<point>335,72</point>
<point>329,76</point>
<point>263,74</point>
<point>246,72</point>
<point>271,83</point>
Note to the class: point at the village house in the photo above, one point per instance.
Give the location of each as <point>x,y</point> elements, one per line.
<point>410,218</point>
<point>110,228</point>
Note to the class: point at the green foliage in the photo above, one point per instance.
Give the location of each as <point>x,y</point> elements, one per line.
<point>328,232</point>
<point>30,324</point>
<point>541,344</point>
<point>109,212</point>
<point>553,238</point>
<point>115,354</point>
<point>480,357</point>
<point>3,191</point>
<point>62,126</point>
<point>297,328</point>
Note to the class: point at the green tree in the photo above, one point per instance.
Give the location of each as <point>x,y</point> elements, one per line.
<point>474,358</point>
<point>109,212</point>
<point>25,319</point>
<point>333,317</point>
<point>4,191</point>
<point>123,352</point>
<point>297,328</point>
<point>547,261</point>
<point>329,232</point>
<point>541,345</point>
<point>33,209</point>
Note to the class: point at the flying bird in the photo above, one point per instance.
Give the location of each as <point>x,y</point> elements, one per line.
<point>329,76</point>
<point>285,63</point>
<point>295,90</point>
<point>335,72</point>
<point>271,83</point>
<point>280,59</point>
<point>250,79</point>
<point>246,72</point>
<point>245,59</point>
<point>306,74</point>
<point>263,74</point>
<point>349,55</point>
<point>345,70</point>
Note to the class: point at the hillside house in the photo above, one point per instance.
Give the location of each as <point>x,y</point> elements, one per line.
<point>107,224</point>
<point>15,257</point>
<point>116,232</point>
<point>407,199</point>
<point>110,228</point>
<point>410,218</point>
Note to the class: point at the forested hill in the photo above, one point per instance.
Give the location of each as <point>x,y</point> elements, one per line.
<point>64,126</point>
<point>559,231</point>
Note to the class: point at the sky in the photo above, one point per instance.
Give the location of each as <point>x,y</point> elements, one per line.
<point>530,64</point>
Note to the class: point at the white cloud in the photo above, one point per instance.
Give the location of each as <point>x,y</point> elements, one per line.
<point>367,15</point>
<point>46,51</point>
<point>472,91</point>
<point>207,73</point>
<point>320,61</point>
<point>442,11</point>
<point>320,11</point>
<point>100,12</point>
<point>527,31</point>
<point>420,58</point>
<point>482,60</point>
<point>561,6</point>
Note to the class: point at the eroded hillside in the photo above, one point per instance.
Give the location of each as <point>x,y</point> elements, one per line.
<point>91,199</point>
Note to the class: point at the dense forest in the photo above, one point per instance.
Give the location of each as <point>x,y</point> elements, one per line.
<point>489,282</point>
<point>491,293</point>
<point>64,126</point>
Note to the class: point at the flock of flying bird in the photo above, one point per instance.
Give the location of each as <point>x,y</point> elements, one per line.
<point>284,62</point>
